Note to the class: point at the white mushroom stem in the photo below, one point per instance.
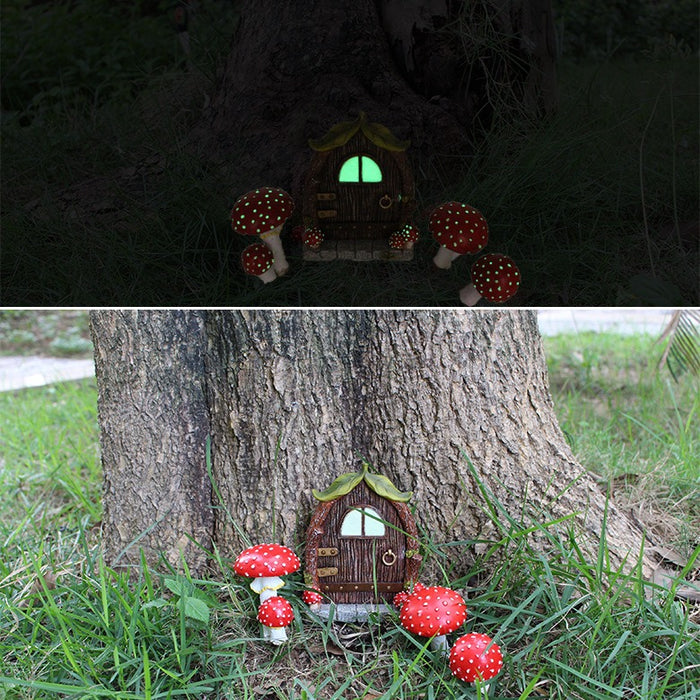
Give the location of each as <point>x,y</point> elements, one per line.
<point>268,275</point>
<point>275,635</point>
<point>468,295</point>
<point>440,643</point>
<point>266,586</point>
<point>272,240</point>
<point>444,258</point>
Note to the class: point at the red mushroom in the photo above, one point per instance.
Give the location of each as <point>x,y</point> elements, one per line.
<point>434,612</point>
<point>400,598</point>
<point>404,238</point>
<point>312,598</point>
<point>475,657</point>
<point>257,260</point>
<point>275,614</point>
<point>313,237</point>
<point>263,212</point>
<point>459,229</point>
<point>494,276</point>
<point>265,563</point>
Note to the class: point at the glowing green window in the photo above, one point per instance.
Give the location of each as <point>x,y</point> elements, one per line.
<point>360,169</point>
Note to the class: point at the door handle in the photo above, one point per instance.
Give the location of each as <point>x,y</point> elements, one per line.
<point>389,558</point>
<point>385,201</point>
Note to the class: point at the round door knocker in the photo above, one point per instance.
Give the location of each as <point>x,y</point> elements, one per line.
<point>385,202</point>
<point>389,558</point>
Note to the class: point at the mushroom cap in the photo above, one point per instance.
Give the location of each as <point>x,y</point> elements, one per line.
<point>401,238</point>
<point>311,597</point>
<point>313,237</point>
<point>275,612</point>
<point>260,211</point>
<point>266,560</point>
<point>459,227</point>
<point>433,611</point>
<point>410,233</point>
<point>397,240</point>
<point>469,659</point>
<point>496,277</point>
<point>256,259</point>
<point>400,598</point>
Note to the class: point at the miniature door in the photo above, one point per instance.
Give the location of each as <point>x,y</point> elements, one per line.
<point>360,192</point>
<point>359,188</point>
<point>362,547</point>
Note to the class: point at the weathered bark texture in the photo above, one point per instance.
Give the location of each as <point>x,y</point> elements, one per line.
<point>154,422</point>
<point>299,66</point>
<point>294,397</point>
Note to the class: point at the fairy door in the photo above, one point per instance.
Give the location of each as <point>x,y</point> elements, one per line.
<point>362,553</point>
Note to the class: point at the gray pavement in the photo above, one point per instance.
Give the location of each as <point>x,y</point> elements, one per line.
<point>24,372</point>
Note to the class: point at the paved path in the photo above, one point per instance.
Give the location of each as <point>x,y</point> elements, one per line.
<point>23,372</point>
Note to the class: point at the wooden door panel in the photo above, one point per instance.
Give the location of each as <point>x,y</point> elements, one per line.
<point>363,563</point>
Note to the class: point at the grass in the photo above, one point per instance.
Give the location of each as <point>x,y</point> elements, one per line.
<point>598,205</point>
<point>571,629</point>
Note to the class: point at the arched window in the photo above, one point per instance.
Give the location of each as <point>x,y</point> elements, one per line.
<point>362,522</point>
<point>360,169</point>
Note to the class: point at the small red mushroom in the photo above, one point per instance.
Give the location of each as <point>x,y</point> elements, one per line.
<point>475,657</point>
<point>404,238</point>
<point>257,260</point>
<point>400,598</point>
<point>313,237</point>
<point>263,212</point>
<point>275,614</point>
<point>434,612</point>
<point>265,563</point>
<point>495,277</point>
<point>312,598</point>
<point>459,229</point>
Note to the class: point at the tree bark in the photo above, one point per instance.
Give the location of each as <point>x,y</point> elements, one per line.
<point>298,67</point>
<point>154,421</point>
<point>292,399</point>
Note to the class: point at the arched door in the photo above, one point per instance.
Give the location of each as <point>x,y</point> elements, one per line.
<point>362,554</point>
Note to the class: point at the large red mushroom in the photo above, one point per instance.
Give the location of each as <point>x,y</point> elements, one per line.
<point>265,563</point>
<point>495,277</point>
<point>434,612</point>
<point>263,212</point>
<point>459,229</point>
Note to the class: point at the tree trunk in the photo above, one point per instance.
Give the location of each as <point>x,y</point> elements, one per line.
<point>292,399</point>
<point>299,66</point>
<point>154,423</point>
